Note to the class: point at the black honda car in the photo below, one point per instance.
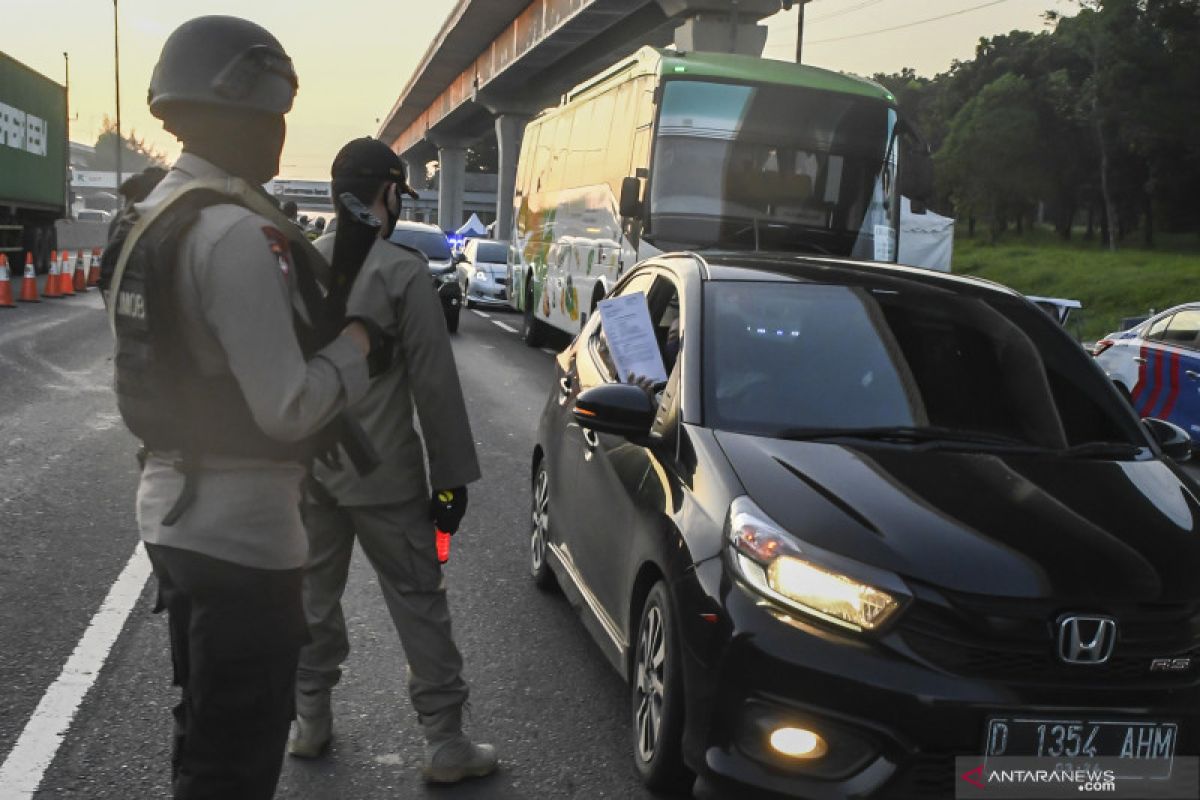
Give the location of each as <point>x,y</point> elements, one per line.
<point>876,518</point>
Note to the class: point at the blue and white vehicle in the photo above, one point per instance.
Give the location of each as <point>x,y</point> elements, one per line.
<point>1157,365</point>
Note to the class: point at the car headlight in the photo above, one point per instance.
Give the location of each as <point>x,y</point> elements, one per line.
<point>795,576</point>
<point>480,275</point>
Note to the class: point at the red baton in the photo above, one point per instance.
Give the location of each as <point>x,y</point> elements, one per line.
<point>443,546</point>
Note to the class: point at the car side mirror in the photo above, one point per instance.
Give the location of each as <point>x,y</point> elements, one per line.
<point>631,197</point>
<point>1174,440</point>
<point>618,408</point>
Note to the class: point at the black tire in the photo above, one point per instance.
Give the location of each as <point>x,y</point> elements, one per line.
<point>539,534</point>
<point>656,696</point>
<point>452,319</point>
<point>532,331</point>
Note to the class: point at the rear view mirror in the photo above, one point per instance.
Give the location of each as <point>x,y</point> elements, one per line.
<point>1174,440</point>
<point>916,175</point>
<point>631,197</point>
<point>618,408</point>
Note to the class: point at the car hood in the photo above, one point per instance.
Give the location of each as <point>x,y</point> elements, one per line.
<point>1005,525</point>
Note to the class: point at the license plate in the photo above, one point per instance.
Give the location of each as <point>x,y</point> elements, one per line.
<point>1151,745</point>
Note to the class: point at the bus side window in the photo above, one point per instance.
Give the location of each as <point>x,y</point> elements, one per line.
<point>620,139</point>
<point>594,172</point>
<point>581,140</point>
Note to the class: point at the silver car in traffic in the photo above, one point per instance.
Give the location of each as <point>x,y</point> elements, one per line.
<point>483,272</point>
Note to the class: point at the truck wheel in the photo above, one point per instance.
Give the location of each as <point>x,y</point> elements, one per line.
<point>532,329</point>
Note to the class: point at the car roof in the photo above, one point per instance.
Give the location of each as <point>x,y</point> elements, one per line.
<point>425,227</point>
<point>781,267</point>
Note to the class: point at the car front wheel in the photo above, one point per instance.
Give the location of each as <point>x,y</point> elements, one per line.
<point>656,697</point>
<point>539,537</point>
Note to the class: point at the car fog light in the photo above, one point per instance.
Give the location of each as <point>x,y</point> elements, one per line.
<point>798,743</point>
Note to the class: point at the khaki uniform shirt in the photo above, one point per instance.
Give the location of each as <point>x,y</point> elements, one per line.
<point>235,295</point>
<point>394,286</point>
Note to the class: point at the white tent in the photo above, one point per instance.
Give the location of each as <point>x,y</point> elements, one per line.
<point>473,227</point>
<point>926,240</point>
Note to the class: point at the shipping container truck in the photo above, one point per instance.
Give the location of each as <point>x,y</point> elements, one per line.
<point>33,161</point>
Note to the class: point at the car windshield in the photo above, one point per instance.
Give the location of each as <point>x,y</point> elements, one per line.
<point>492,253</point>
<point>433,245</point>
<point>773,168</point>
<point>801,360</point>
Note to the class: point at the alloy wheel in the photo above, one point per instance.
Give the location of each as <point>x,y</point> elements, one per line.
<point>649,675</point>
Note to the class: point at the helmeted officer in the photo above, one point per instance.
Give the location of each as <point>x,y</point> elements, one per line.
<point>210,375</point>
<point>393,511</point>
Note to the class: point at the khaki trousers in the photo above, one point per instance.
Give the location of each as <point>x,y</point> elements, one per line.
<point>399,542</point>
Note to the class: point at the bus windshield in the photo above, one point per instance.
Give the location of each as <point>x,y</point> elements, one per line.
<point>773,168</point>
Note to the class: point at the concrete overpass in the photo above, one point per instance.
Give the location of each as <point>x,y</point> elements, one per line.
<point>496,63</point>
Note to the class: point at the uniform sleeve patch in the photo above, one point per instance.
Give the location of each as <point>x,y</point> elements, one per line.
<point>278,244</point>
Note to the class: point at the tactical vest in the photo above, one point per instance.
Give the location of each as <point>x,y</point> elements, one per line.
<point>162,396</point>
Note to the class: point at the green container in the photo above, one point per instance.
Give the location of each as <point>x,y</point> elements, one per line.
<point>33,138</point>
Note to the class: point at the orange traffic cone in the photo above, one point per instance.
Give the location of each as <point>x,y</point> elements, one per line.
<point>29,292</point>
<point>66,282</point>
<point>6,300</point>
<point>52,288</point>
<point>93,278</point>
<point>80,274</point>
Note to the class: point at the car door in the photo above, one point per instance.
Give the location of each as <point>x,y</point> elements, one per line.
<point>613,472</point>
<point>1172,372</point>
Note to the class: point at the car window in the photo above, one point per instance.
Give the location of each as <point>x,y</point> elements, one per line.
<point>778,357</point>
<point>1159,328</point>
<point>492,253</point>
<point>433,245</point>
<point>1183,328</point>
<point>602,369</point>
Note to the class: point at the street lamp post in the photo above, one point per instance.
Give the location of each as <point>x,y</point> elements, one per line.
<point>117,72</point>
<point>799,30</point>
<point>67,137</point>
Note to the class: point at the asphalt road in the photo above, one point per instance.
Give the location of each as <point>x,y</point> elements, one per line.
<point>541,691</point>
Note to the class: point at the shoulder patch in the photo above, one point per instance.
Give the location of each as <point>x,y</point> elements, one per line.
<point>278,244</point>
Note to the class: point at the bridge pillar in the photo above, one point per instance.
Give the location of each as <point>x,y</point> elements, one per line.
<point>510,131</point>
<point>452,176</point>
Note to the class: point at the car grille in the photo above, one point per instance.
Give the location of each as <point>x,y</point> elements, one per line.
<point>1017,642</point>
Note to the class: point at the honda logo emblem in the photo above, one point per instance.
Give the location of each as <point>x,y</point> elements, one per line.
<point>1086,639</point>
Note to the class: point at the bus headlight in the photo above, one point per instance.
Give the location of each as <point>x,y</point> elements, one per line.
<point>786,572</point>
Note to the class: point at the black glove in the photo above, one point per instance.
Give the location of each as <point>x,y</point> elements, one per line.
<point>447,507</point>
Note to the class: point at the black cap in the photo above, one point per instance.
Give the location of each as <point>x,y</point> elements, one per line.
<point>369,158</point>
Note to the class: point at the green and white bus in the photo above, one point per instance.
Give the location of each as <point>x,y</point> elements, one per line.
<point>702,151</point>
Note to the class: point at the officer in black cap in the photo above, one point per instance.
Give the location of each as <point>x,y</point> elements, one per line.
<point>204,290</point>
<point>393,512</point>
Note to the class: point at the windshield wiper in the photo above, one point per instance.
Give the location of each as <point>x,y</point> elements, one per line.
<point>927,434</point>
<point>1101,450</point>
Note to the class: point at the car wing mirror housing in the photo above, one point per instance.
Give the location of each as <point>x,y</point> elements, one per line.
<point>1174,440</point>
<point>617,408</point>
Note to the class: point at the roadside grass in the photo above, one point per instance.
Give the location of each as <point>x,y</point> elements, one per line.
<point>1111,286</point>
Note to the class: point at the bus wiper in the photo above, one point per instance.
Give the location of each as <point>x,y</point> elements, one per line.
<point>910,435</point>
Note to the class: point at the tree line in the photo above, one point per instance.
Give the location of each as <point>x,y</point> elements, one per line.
<point>1094,121</point>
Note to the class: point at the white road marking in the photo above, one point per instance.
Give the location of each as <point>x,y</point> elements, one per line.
<point>506,327</point>
<point>479,313</point>
<point>26,765</point>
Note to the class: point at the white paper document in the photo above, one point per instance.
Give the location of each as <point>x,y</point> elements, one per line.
<point>630,335</point>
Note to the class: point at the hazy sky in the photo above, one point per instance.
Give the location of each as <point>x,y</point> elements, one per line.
<point>353,58</point>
